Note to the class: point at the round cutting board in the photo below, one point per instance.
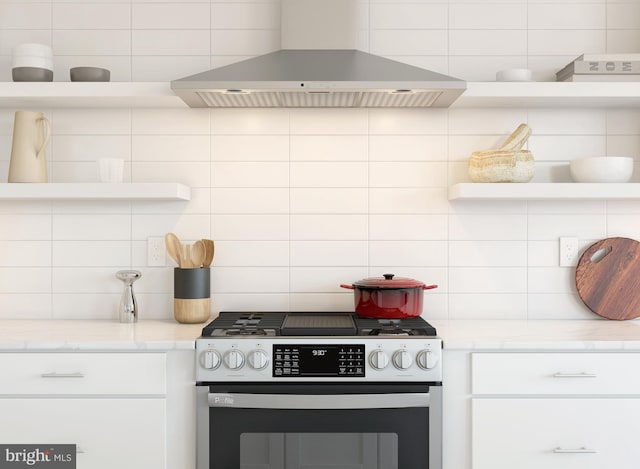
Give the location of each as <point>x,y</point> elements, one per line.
<point>608,278</point>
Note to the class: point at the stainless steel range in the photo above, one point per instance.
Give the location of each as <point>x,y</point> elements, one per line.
<point>302,390</point>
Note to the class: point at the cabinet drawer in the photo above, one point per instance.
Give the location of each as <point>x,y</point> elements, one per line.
<point>555,373</point>
<point>555,433</point>
<point>109,433</point>
<point>82,373</point>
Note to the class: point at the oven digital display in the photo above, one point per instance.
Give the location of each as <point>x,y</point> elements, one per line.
<point>318,360</point>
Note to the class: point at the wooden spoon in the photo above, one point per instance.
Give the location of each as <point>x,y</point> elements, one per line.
<point>209,249</point>
<point>197,254</point>
<point>174,247</point>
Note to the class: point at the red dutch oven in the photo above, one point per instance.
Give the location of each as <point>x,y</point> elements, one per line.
<point>388,297</point>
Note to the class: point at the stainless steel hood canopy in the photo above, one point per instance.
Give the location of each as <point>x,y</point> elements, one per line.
<point>318,78</point>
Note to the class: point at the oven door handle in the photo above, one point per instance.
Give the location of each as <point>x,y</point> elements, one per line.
<point>319,401</point>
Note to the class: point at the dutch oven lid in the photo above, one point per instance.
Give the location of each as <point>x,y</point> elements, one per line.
<point>389,281</point>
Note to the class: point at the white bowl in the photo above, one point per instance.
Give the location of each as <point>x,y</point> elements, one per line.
<point>31,49</point>
<point>514,74</point>
<point>602,169</point>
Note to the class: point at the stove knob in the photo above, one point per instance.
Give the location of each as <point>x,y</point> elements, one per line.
<point>258,359</point>
<point>234,359</point>
<point>210,359</point>
<point>378,360</point>
<point>427,359</point>
<point>402,359</point>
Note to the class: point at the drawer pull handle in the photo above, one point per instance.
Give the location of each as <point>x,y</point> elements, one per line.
<point>575,375</point>
<point>582,450</point>
<point>54,374</point>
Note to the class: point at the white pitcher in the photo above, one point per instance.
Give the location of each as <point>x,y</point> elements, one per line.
<point>31,132</point>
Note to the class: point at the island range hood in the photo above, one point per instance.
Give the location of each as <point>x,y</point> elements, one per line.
<point>315,69</point>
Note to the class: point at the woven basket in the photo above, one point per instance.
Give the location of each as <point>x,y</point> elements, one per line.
<point>501,166</point>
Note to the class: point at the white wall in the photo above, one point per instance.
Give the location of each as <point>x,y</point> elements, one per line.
<point>301,200</point>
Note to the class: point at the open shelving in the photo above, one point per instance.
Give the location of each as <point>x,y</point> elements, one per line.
<point>94,191</point>
<point>543,191</point>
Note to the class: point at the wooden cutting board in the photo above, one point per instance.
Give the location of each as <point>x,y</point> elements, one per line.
<point>609,282</point>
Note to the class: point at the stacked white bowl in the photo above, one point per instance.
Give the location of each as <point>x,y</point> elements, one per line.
<point>32,62</point>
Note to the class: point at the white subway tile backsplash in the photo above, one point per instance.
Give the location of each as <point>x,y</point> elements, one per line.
<point>170,16</point>
<point>407,174</point>
<point>271,227</point>
<point>249,148</point>
<point>170,42</point>
<point>551,280</point>
<point>408,16</point>
<point>25,15</point>
<point>91,42</point>
<point>91,227</point>
<point>328,253</point>
<point>408,227</point>
<point>91,253</point>
<point>245,15</point>
<point>91,16</point>
<point>407,148</point>
<point>329,121</point>
<point>567,121</point>
<point>552,226</point>
<point>253,174</point>
<point>329,227</point>
<point>488,253</point>
<point>488,16</point>
<point>329,174</point>
<point>588,16</point>
<point>250,122</point>
<point>324,279</point>
<point>566,41</point>
<point>557,306</point>
<point>488,306</point>
<point>328,200</point>
<point>244,41</point>
<point>408,253</point>
<point>487,42</point>
<point>91,122</point>
<point>156,68</point>
<point>488,227</point>
<point>412,200</point>
<point>328,148</point>
<point>170,122</point>
<point>488,279</point>
<point>409,42</point>
<point>301,200</point>
<point>408,121</point>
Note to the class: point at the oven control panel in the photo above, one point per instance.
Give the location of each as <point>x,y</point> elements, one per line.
<point>308,359</point>
<point>335,361</point>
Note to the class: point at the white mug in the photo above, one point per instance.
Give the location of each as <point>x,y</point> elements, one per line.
<point>110,169</point>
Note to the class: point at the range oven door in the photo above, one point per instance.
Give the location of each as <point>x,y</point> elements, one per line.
<point>318,425</point>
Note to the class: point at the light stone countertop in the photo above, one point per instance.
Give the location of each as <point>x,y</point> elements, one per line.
<point>579,335</point>
<point>89,334</point>
<point>156,335</point>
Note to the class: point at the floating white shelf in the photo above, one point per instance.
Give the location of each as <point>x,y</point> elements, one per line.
<point>550,94</point>
<point>159,94</point>
<point>542,191</point>
<point>94,191</point>
<point>84,94</point>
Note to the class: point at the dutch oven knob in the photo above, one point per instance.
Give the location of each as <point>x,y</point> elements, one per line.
<point>388,276</point>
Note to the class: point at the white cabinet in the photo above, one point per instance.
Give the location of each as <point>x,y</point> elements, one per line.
<point>554,410</point>
<point>535,433</point>
<point>113,406</point>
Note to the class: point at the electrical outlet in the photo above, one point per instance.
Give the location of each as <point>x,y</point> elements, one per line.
<point>156,253</point>
<point>568,252</point>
